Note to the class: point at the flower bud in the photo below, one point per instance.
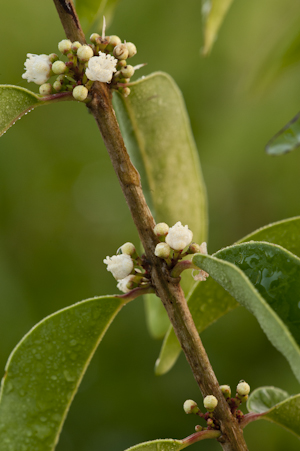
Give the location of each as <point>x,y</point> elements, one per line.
<point>243,388</point>
<point>162,250</point>
<point>121,64</point>
<point>226,390</point>
<point>190,406</point>
<point>45,89</point>
<point>194,248</point>
<point>127,248</point>
<point>126,284</point>
<point>53,57</point>
<point>120,52</point>
<point>198,428</point>
<point>59,67</point>
<point>57,85</point>
<point>114,40</point>
<point>125,91</point>
<point>210,402</point>
<point>161,229</point>
<point>127,71</point>
<point>84,53</point>
<point>80,93</point>
<point>94,37</point>
<point>131,49</point>
<point>75,46</point>
<point>65,46</point>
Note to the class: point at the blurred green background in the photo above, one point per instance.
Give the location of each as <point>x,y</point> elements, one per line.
<point>62,211</point>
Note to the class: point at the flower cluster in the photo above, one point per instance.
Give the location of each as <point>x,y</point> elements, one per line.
<point>128,268</point>
<point>104,60</point>
<point>210,402</point>
<point>173,242</point>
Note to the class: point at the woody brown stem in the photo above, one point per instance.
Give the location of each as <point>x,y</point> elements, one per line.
<point>167,288</point>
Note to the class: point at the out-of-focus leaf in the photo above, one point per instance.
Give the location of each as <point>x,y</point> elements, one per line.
<point>91,12</point>
<point>44,371</point>
<point>276,406</point>
<point>159,445</point>
<point>213,14</point>
<point>208,301</point>
<point>157,133</point>
<point>264,278</point>
<point>14,103</point>
<point>287,139</point>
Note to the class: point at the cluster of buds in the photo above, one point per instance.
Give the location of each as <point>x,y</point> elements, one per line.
<point>210,402</point>
<point>128,268</point>
<point>242,392</point>
<point>104,60</point>
<point>176,243</point>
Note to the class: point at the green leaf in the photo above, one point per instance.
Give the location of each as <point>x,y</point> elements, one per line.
<point>44,371</point>
<point>159,445</point>
<point>276,406</point>
<point>14,103</point>
<point>264,278</point>
<point>91,12</point>
<point>157,133</point>
<point>208,301</point>
<point>213,14</point>
<point>287,139</point>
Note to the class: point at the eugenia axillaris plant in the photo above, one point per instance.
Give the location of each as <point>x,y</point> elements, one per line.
<point>260,272</point>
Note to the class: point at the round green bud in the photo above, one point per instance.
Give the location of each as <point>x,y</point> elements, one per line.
<point>161,229</point>
<point>45,89</point>
<point>84,53</point>
<point>53,57</point>
<point>131,49</point>
<point>75,46</point>
<point>61,78</point>
<point>194,248</point>
<point>80,93</point>
<point>243,388</point>
<point>226,390</point>
<point>244,398</point>
<point>94,37</point>
<point>57,85</point>
<point>190,406</point>
<point>59,67</point>
<point>210,422</point>
<point>127,248</point>
<point>210,402</point>
<point>162,250</point>
<point>120,52</point>
<point>198,428</point>
<point>127,71</point>
<point>114,40</point>
<point>121,64</point>
<point>125,91</point>
<point>65,46</point>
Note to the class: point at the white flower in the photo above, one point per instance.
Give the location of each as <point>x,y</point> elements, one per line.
<point>122,284</point>
<point>179,236</point>
<point>119,265</point>
<point>37,68</point>
<point>101,68</point>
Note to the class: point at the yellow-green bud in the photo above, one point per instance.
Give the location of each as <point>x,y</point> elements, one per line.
<point>45,89</point>
<point>161,229</point>
<point>127,248</point>
<point>80,93</point>
<point>121,64</point>
<point>75,46</point>
<point>162,250</point>
<point>244,398</point>
<point>120,52</point>
<point>59,67</point>
<point>125,91</point>
<point>84,53</point>
<point>190,406</point>
<point>57,85</point>
<point>53,57</point>
<point>94,37</point>
<point>114,40</point>
<point>226,390</point>
<point>243,388</point>
<point>198,428</point>
<point>131,49</point>
<point>194,248</point>
<point>127,71</point>
<point>210,402</point>
<point>65,46</point>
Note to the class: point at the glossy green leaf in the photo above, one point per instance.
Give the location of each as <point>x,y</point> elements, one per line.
<point>44,371</point>
<point>264,278</point>
<point>213,14</point>
<point>209,301</point>
<point>276,406</point>
<point>287,139</point>
<point>91,12</point>
<point>157,133</point>
<point>14,103</point>
<point>159,445</point>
